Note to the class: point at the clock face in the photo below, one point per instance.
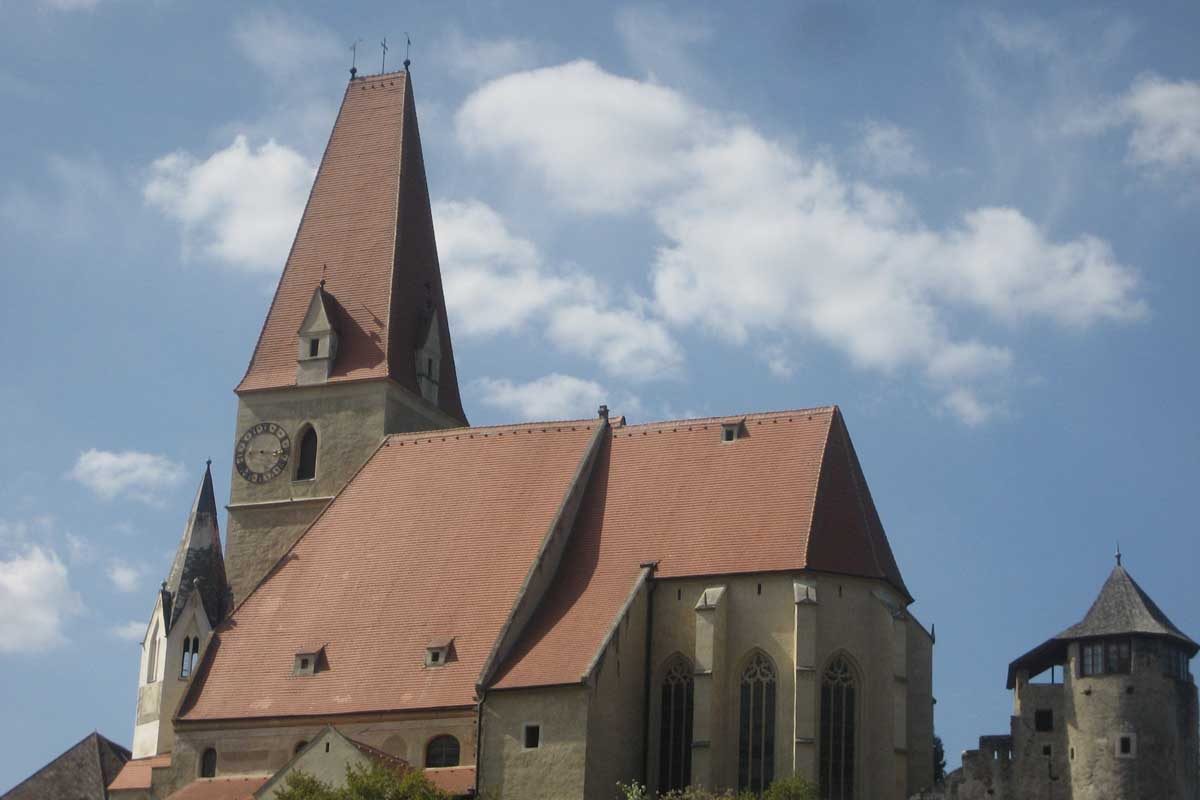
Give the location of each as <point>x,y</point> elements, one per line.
<point>262,452</point>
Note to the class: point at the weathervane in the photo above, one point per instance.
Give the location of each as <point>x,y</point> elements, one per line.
<point>383,61</point>
<point>354,58</point>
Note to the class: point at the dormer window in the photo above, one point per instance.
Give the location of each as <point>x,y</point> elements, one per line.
<point>314,348</point>
<point>316,341</point>
<point>439,651</point>
<point>308,660</point>
<point>732,431</point>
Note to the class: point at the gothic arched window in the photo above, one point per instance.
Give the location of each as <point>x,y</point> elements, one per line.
<point>838,697</point>
<point>306,465</point>
<point>208,764</point>
<point>442,751</point>
<point>756,729</point>
<point>185,663</point>
<point>675,739</point>
<point>152,656</point>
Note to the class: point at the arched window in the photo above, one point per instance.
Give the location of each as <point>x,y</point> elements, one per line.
<point>306,465</point>
<point>152,655</point>
<point>756,729</point>
<point>442,751</point>
<point>838,698</point>
<point>675,738</point>
<point>208,764</point>
<point>191,656</point>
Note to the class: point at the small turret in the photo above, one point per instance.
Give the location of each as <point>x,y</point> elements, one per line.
<point>189,604</point>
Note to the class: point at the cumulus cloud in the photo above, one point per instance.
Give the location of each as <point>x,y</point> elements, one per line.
<point>37,598</point>
<point>479,58</point>
<point>1166,122</point>
<point>132,631</point>
<point>760,239</point>
<point>239,206</point>
<point>889,151</point>
<point>659,40</point>
<point>138,476</point>
<point>624,341</point>
<point>124,576</point>
<point>550,397</point>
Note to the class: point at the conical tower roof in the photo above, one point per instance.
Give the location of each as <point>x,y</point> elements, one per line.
<point>1122,608</point>
<point>367,238</point>
<point>199,564</point>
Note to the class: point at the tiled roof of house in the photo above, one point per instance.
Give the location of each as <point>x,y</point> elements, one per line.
<point>788,494</point>
<point>433,537</point>
<point>82,772</point>
<point>454,781</point>
<point>135,774</point>
<point>219,789</point>
<point>367,230</point>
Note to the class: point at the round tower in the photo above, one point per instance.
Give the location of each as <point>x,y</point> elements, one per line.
<point>1130,700</point>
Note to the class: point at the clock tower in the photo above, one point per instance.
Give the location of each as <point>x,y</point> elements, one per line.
<point>356,343</point>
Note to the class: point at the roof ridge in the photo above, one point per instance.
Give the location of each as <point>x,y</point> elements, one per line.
<point>738,416</point>
<point>442,433</point>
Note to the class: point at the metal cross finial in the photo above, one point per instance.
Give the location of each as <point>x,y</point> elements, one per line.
<point>407,47</point>
<point>383,61</point>
<point>1118,553</point>
<point>354,58</point>
<point>323,268</point>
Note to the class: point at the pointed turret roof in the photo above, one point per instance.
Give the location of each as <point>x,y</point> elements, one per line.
<point>1121,609</point>
<point>83,771</point>
<point>368,231</point>
<point>198,563</point>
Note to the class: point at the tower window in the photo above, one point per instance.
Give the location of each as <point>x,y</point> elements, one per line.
<point>1127,745</point>
<point>1043,720</point>
<point>208,764</point>
<point>442,751</point>
<point>152,657</point>
<point>191,656</point>
<point>306,464</point>
<point>314,348</point>
<point>533,737</point>
<point>1104,657</point>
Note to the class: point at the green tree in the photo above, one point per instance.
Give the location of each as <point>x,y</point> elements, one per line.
<point>373,782</point>
<point>939,760</point>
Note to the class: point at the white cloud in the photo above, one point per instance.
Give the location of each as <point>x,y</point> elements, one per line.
<point>132,631</point>
<point>889,151</point>
<point>140,476</point>
<point>124,576</point>
<point>761,239</point>
<point>37,599</point>
<point>477,59</point>
<point>659,41</point>
<point>70,5</point>
<point>286,47</point>
<point>626,342</point>
<point>964,404</point>
<point>240,206</point>
<point>1166,122</point>
<point>550,397</point>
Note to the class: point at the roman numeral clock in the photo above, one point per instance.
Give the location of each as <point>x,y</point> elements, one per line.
<point>262,452</point>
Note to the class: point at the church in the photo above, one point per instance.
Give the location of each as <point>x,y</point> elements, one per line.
<point>535,610</point>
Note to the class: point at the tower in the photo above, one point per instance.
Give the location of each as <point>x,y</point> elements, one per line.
<point>190,603</point>
<point>356,343</point>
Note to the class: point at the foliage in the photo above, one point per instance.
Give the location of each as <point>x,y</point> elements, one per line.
<point>373,782</point>
<point>939,760</point>
<point>795,788</point>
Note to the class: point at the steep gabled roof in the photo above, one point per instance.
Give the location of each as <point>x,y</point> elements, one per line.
<point>1121,609</point>
<point>787,495</point>
<point>368,231</point>
<point>433,537</point>
<point>83,772</point>
<point>198,561</point>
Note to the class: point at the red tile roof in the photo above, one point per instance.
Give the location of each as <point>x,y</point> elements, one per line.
<point>135,774</point>
<point>454,781</point>
<point>220,789</point>
<point>433,537</point>
<point>368,230</point>
<point>787,495</point>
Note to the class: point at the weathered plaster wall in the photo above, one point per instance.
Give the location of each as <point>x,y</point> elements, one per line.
<point>556,769</point>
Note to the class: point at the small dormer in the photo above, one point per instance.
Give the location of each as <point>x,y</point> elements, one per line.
<point>316,341</point>
<point>429,357</point>
<point>732,431</point>
<point>308,660</point>
<point>439,651</point>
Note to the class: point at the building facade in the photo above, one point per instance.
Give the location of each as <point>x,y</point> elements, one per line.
<point>1115,715</point>
<point>531,610</point>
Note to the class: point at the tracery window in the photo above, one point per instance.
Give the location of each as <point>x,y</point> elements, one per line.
<point>442,751</point>
<point>1104,656</point>
<point>838,709</point>
<point>306,465</point>
<point>675,739</point>
<point>756,729</point>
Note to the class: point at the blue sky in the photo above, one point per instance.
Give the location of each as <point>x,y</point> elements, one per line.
<point>972,227</point>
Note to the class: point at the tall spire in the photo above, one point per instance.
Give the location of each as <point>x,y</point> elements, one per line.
<point>198,564</point>
<point>368,218</point>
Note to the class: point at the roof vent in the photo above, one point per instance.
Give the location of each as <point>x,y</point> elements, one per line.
<point>732,431</point>
<point>440,651</point>
<point>309,660</point>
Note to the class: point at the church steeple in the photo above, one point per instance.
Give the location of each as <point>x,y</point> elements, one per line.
<point>198,565</point>
<point>367,236</point>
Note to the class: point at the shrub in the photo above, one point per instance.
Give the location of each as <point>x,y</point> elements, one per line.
<point>373,782</point>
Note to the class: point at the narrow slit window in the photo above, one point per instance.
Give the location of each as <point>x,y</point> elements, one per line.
<point>314,348</point>
<point>533,737</point>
